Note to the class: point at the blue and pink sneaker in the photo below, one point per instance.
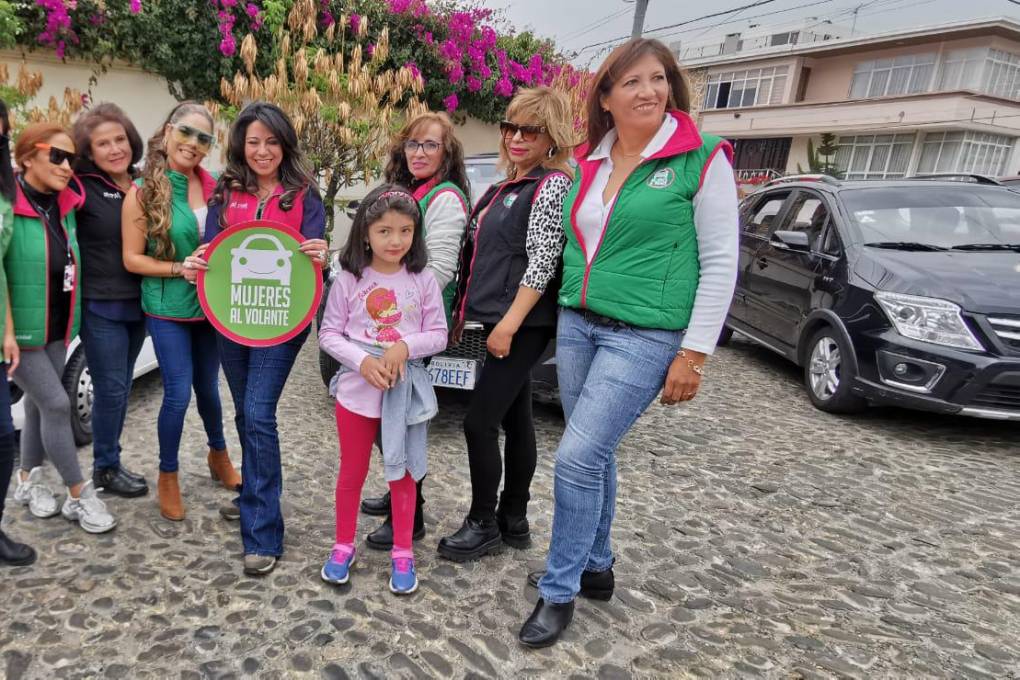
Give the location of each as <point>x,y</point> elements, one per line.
<point>404,578</point>
<point>337,569</point>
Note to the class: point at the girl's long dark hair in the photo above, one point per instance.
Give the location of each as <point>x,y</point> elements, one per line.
<point>6,171</point>
<point>295,175</point>
<point>356,254</point>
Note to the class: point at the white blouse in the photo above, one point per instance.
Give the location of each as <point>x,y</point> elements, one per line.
<point>716,223</point>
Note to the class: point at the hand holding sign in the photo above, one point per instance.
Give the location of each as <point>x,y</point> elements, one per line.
<point>253,290</point>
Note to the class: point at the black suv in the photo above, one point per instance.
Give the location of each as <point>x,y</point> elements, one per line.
<point>902,292</point>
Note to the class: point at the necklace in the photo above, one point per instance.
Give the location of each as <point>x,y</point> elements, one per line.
<point>621,154</point>
<point>263,194</point>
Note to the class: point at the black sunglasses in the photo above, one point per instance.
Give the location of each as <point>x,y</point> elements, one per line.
<point>528,132</point>
<point>58,156</point>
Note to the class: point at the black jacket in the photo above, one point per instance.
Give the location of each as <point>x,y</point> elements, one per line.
<point>103,276</point>
<point>494,258</point>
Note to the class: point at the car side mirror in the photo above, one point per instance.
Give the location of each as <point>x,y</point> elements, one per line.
<point>791,240</point>
<point>352,208</point>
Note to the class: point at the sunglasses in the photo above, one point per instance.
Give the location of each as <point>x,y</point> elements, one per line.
<point>528,132</point>
<point>411,147</point>
<point>184,133</point>
<point>58,156</point>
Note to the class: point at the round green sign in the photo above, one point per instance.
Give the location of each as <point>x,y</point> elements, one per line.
<point>260,289</point>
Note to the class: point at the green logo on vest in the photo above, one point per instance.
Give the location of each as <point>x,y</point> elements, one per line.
<point>509,200</point>
<point>662,178</point>
<point>260,289</point>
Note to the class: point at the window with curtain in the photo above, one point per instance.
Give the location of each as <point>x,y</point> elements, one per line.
<point>750,87</point>
<point>964,151</point>
<point>874,156</point>
<point>905,74</point>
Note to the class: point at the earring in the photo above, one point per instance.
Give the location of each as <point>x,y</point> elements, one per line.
<point>368,246</point>
<point>551,152</point>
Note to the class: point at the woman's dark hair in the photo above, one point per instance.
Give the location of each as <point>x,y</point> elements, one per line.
<point>450,170</point>
<point>619,60</point>
<point>356,254</point>
<point>295,176</point>
<point>106,112</point>
<point>6,171</point>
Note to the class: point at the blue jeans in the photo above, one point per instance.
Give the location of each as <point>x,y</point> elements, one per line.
<point>188,358</point>
<point>256,376</point>
<point>111,348</point>
<point>608,376</point>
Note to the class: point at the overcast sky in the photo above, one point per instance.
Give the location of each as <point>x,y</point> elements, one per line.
<point>577,24</point>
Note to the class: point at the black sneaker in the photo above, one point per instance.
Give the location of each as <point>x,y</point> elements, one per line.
<point>14,554</point>
<point>118,482</point>
<point>474,539</point>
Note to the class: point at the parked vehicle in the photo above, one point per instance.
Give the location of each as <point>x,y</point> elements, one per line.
<point>78,385</point>
<point>457,367</point>
<point>902,292</point>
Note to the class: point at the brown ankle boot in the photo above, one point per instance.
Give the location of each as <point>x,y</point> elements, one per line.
<point>222,470</point>
<point>170,504</point>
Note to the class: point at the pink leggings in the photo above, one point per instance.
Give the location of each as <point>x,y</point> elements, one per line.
<point>356,434</point>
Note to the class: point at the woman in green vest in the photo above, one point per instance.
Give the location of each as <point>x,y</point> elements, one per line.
<point>162,223</point>
<point>42,268</point>
<point>12,553</point>
<point>427,157</point>
<point>648,273</point>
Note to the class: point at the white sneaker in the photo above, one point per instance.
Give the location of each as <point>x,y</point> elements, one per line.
<point>34,493</point>
<point>90,512</point>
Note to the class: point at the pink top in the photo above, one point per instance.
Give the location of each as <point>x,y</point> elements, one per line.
<point>379,309</point>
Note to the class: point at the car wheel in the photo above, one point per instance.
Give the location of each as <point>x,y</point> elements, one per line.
<point>78,385</point>
<point>828,377</point>
<point>725,335</point>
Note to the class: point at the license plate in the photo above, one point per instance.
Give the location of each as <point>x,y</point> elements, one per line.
<point>458,374</point>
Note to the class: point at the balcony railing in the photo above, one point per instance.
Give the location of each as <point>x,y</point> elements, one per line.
<point>759,176</point>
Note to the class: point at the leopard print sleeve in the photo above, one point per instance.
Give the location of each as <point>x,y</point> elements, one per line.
<point>545,239</point>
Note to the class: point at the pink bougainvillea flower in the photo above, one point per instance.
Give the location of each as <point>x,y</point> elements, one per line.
<point>355,22</point>
<point>136,6</point>
<point>451,103</point>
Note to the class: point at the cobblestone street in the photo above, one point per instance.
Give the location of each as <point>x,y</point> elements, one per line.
<point>756,537</point>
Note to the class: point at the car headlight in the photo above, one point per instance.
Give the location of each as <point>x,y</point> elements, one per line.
<point>927,319</point>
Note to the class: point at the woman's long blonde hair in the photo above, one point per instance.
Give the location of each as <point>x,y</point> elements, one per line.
<point>155,194</point>
<point>550,108</point>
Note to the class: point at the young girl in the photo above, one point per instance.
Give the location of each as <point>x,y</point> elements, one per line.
<point>384,314</point>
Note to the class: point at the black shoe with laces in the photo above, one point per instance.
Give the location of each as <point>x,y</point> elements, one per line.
<point>474,539</point>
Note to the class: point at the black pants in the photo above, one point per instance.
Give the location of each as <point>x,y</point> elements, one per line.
<point>502,396</point>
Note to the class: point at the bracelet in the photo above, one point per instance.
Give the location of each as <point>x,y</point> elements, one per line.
<point>175,269</point>
<point>699,370</point>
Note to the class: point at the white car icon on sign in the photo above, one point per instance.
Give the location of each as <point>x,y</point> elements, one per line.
<point>264,264</point>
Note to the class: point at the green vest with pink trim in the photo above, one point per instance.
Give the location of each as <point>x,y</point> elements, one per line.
<point>423,203</point>
<point>645,271</point>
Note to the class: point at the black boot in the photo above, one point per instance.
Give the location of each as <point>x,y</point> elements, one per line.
<point>595,585</point>
<point>545,625</point>
<point>133,475</point>
<point>119,482</point>
<point>382,538</point>
<point>15,554</point>
<point>515,530</point>
<point>474,539</point>
<point>378,506</point>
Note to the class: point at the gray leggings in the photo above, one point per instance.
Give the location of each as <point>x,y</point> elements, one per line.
<point>47,412</point>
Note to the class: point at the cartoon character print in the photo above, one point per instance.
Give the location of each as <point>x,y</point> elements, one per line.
<point>381,305</point>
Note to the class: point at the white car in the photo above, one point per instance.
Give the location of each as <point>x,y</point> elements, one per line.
<point>258,263</point>
<point>78,384</point>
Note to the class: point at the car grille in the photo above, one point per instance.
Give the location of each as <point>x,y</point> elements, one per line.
<point>472,344</point>
<point>998,396</point>
<point>1007,329</point>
